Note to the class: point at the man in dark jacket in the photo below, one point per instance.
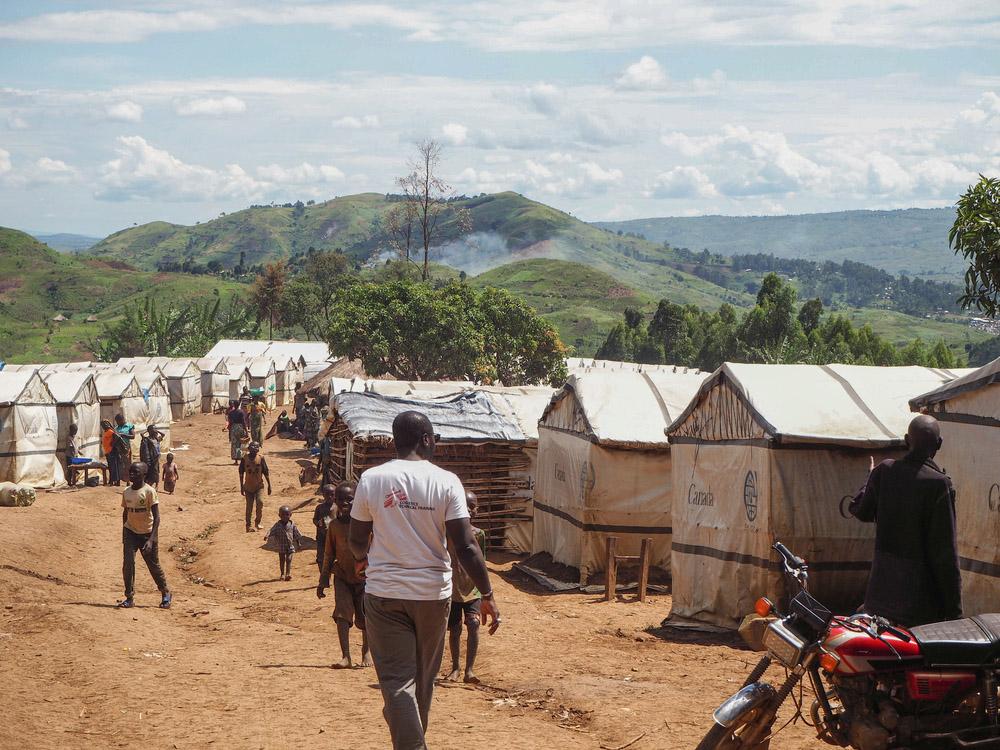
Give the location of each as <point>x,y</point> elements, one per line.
<point>915,577</point>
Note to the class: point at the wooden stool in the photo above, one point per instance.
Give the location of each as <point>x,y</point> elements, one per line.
<point>613,560</point>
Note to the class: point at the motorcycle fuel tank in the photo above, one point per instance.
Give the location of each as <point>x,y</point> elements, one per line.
<point>859,653</point>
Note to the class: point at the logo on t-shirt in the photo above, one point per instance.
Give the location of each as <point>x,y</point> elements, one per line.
<point>394,497</point>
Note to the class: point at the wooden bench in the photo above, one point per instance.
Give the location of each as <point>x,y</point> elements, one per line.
<point>614,560</point>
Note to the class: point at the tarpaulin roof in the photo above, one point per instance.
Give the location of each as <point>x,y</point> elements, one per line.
<point>180,368</point>
<point>574,364</point>
<point>13,384</point>
<point>417,388</point>
<point>465,418</point>
<point>972,380</point>
<point>628,408</point>
<point>258,367</point>
<point>212,364</point>
<point>851,405</point>
<point>71,387</point>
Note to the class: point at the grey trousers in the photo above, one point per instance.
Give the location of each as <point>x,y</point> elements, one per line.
<point>407,643</point>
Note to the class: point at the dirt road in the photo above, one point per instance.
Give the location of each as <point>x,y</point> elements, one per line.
<point>243,659</point>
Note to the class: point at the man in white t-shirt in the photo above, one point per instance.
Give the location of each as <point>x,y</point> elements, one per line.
<point>408,509</point>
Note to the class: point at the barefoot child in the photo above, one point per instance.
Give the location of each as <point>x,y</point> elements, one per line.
<point>348,586</point>
<point>170,474</point>
<point>321,514</point>
<point>465,604</point>
<point>284,538</point>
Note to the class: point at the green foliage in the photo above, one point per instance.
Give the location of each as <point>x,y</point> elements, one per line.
<point>414,331</point>
<point>983,352</point>
<point>308,298</point>
<point>148,328</point>
<point>975,235</point>
<point>772,332</point>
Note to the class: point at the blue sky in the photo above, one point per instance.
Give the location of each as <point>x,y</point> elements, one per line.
<point>122,112</point>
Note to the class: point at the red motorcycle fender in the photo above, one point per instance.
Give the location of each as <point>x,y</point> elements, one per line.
<point>740,704</point>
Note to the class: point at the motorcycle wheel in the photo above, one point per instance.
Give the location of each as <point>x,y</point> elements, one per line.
<point>728,738</point>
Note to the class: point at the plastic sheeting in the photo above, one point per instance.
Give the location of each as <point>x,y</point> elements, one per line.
<point>262,376</point>
<point>120,394</point>
<point>29,430</point>
<point>309,352</point>
<point>969,414</point>
<point>154,390</point>
<point>469,417</point>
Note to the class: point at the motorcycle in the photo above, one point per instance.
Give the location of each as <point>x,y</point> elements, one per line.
<point>876,686</point>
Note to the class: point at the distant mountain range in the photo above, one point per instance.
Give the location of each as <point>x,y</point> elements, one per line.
<point>911,241</point>
<point>67,243</point>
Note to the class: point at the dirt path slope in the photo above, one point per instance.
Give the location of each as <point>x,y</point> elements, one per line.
<point>242,660</point>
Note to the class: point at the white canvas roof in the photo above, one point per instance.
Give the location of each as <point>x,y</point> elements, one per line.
<point>972,380</point>
<point>147,376</point>
<point>307,351</point>
<point>13,384</point>
<point>523,405</point>
<point>258,367</point>
<point>212,364</point>
<point>20,368</point>
<point>180,368</point>
<point>574,364</point>
<point>71,387</point>
<point>630,408</point>
<point>417,388</point>
<point>851,405</point>
<point>111,385</point>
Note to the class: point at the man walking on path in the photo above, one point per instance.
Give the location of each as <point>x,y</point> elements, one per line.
<point>140,532</point>
<point>253,474</point>
<point>915,576</point>
<point>412,508</point>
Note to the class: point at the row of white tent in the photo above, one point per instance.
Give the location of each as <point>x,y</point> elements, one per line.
<point>40,401</point>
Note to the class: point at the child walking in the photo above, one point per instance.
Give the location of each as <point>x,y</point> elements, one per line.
<point>284,538</point>
<point>465,607</point>
<point>348,586</point>
<point>170,474</point>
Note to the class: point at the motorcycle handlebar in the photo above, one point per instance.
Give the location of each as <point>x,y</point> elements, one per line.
<point>792,560</point>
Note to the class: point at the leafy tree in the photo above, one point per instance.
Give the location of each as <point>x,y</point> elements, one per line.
<point>309,297</point>
<point>810,314</point>
<point>266,294</point>
<point>519,346</point>
<point>414,331</point>
<point>976,235</point>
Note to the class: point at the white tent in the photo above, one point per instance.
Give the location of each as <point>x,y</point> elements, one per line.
<point>417,388</point>
<point>969,412</point>
<point>154,390</point>
<point>120,394</point>
<point>183,378</point>
<point>604,464</point>
<point>214,383</point>
<point>768,453</point>
<point>262,376</point>
<point>29,431</point>
<point>239,378</point>
<point>8,368</point>
<point>77,403</point>
<point>127,364</point>
<point>288,372</point>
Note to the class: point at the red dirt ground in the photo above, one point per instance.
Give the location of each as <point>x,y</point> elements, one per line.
<point>242,660</point>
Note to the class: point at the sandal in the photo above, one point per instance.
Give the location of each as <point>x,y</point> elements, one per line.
<point>165,602</point>
<point>126,604</point>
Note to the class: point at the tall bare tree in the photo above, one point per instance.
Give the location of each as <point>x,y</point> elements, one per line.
<point>399,226</point>
<point>265,294</point>
<point>427,195</point>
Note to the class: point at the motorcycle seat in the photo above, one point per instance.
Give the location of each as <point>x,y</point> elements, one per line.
<point>970,642</point>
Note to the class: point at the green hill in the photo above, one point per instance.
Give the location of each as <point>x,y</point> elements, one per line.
<point>39,284</point>
<point>580,302</point>
<point>911,241</point>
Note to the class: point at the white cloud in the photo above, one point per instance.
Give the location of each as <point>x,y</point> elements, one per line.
<point>357,123</point>
<point>16,122</point>
<point>600,130</point>
<point>5,165</point>
<point>646,73</point>
<point>886,176</point>
<point>564,179</point>
<point>598,175</point>
<point>455,133</point>
<point>683,182</point>
<point>688,145</point>
<point>303,174</point>
<point>143,172</point>
<point>210,107</point>
<point>126,111</point>
<point>545,98</point>
<point>54,170</point>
